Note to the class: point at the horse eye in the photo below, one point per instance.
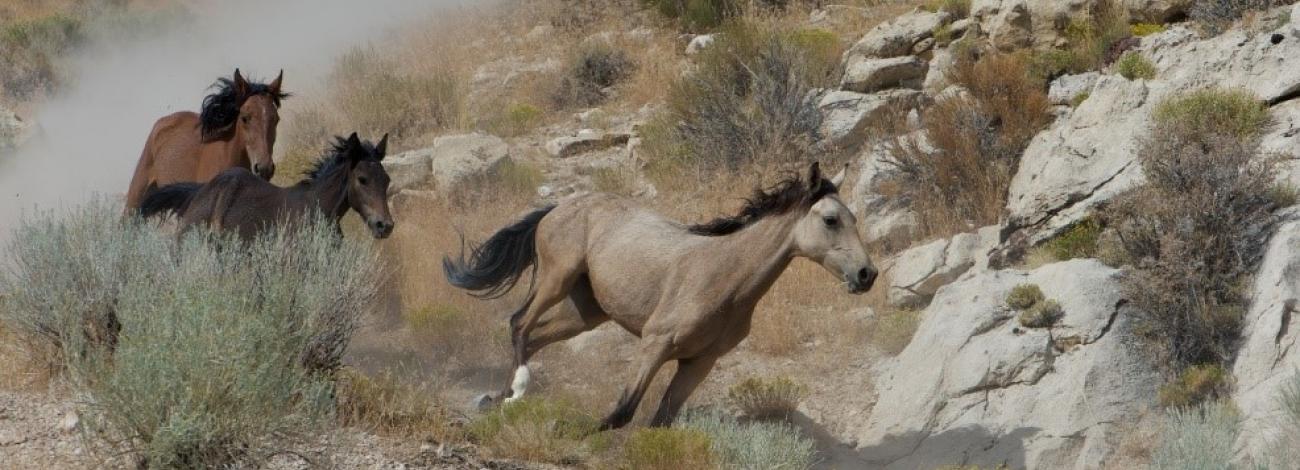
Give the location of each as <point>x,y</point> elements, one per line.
<point>246,119</point>
<point>362,180</point>
<point>831,221</point>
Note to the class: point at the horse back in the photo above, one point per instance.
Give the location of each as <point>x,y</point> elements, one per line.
<point>240,201</point>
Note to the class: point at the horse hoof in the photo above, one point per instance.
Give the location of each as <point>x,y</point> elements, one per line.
<point>483,402</point>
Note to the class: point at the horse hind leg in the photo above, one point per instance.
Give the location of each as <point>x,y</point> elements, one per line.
<point>552,286</point>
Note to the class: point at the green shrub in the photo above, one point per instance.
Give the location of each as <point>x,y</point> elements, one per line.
<point>1196,230</point>
<point>1196,384</point>
<point>592,69</point>
<point>697,15</point>
<point>668,449</point>
<point>1201,437</point>
<point>1024,296</point>
<point>376,99</point>
<point>1284,195</point>
<point>518,119</point>
<point>536,429</point>
<point>1078,241</point>
<point>1079,99</point>
<point>1235,112</point>
<point>1092,42</point>
<point>745,102</point>
<point>1146,29</point>
<point>1041,315</point>
<point>958,8</point>
<point>764,398</point>
<point>1133,66</point>
<point>220,344</point>
<point>752,446</point>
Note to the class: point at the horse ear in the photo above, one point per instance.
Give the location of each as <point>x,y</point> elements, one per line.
<point>838,179</point>
<point>241,85</point>
<point>275,85</point>
<point>382,148</point>
<point>355,151</point>
<point>814,177</point>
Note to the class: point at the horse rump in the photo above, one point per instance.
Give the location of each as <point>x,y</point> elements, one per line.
<point>493,268</point>
<point>174,198</point>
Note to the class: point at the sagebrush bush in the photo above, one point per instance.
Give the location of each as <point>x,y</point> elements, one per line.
<point>957,174</point>
<point>1196,229</point>
<point>765,398</point>
<point>1041,315</point>
<point>1215,16</point>
<point>224,348</point>
<point>1024,296</point>
<point>745,102</point>
<point>668,449</point>
<point>1200,437</point>
<point>30,50</point>
<point>593,68</point>
<point>754,445</point>
<point>540,430</point>
<point>1133,66</point>
<point>1196,384</point>
<point>376,99</point>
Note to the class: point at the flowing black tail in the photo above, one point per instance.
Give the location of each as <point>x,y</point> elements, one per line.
<point>494,267</point>
<point>174,198</point>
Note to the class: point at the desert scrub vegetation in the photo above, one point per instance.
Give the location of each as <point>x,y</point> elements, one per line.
<point>385,404</point>
<point>1194,232</point>
<point>1215,16</point>
<point>958,8</point>
<point>761,445</point>
<point>191,353</point>
<point>1133,66</point>
<point>766,398</point>
<point>375,98</point>
<point>667,449</point>
<point>1081,240</point>
<point>1203,436</point>
<point>540,430</point>
<point>1092,41</point>
<point>1146,29</point>
<point>30,49</point>
<point>1035,310</point>
<point>595,67</point>
<point>744,103</point>
<point>1195,384</point>
<point>956,171</point>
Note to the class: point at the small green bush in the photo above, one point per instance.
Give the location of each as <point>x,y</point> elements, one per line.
<point>1078,241</point>
<point>752,446</point>
<point>1196,384</point>
<point>592,69</point>
<point>1235,112</point>
<point>1024,296</point>
<point>1146,29</point>
<point>668,449</point>
<point>1202,437</point>
<point>958,8</point>
<point>518,119</point>
<point>1042,315</point>
<point>1079,99</point>
<point>540,430</point>
<point>1133,66</point>
<point>765,398</point>
<point>1284,195</point>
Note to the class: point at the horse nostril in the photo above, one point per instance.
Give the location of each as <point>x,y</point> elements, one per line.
<point>866,276</point>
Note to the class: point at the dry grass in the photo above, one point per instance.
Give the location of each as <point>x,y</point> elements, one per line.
<point>668,449</point>
<point>767,398</point>
<point>24,364</point>
<point>554,431</point>
<point>386,405</point>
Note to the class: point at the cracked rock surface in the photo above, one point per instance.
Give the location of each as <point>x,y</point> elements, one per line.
<point>976,388</point>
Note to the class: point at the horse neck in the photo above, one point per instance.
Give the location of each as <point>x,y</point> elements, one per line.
<point>329,193</point>
<point>760,253</point>
<point>234,151</point>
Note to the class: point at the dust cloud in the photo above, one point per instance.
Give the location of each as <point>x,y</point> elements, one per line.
<point>88,138</point>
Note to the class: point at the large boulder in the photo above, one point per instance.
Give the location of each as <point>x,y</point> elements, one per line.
<point>975,387</point>
<point>1064,89</point>
<point>898,36</point>
<point>865,74</point>
<point>1283,141</point>
<point>1269,357</point>
<point>1013,24</point>
<point>886,219</point>
<point>917,273</point>
<point>586,140</point>
<point>847,115</point>
<point>449,161</point>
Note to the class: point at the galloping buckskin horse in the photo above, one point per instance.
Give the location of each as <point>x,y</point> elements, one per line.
<point>349,176</point>
<point>688,292</point>
<point>234,128</point>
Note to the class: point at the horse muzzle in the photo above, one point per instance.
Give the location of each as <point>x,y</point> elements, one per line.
<point>381,229</point>
<point>265,172</point>
<point>861,281</point>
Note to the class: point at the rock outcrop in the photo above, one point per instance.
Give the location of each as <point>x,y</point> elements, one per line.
<point>898,36</point>
<point>975,387</point>
<point>865,75</point>
<point>450,160</point>
<point>847,115</point>
<point>916,274</point>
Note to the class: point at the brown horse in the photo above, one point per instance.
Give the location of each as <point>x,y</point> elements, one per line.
<point>348,176</point>
<point>235,128</point>
<point>687,291</point>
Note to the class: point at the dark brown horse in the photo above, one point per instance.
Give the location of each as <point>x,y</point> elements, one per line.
<point>348,176</point>
<point>234,129</point>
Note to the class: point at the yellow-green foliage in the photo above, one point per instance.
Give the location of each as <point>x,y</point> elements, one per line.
<point>1234,112</point>
<point>821,50</point>
<point>385,404</point>
<point>1078,241</point>
<point>958,8</point>
<point>775,397</point>
<point>942,34</point>
<point>433,318</point>
<point>518,119</point>
<point>1041,315</point>
<point>1194,385</point>
<point>1133,66</point>
<point>1146,29</point>
<point>540,430</point>
<point>519,177</point>
<point>894,330</point>
<point>668,449</point>
<point>1284,195</point>
<point>1079,99</point>
<point>1024,296</point>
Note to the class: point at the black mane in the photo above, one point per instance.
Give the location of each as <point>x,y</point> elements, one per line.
<point>221,108</point>
<point>335,157</point>
<point>778,199</point>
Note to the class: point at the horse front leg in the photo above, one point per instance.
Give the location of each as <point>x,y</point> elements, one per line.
<point>655,351</point>
<point>690,373</point>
